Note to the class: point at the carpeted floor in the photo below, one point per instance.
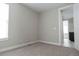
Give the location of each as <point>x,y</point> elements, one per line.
<point>41,49</point>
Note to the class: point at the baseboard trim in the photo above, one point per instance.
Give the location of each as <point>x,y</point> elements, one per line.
<point>17,46</point>
<point>50,43</point>
<point>77,48</point>
<point>25,44</point>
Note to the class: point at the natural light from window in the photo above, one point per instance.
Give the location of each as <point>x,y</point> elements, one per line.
<point>4,14</point>
<point>65,26</point>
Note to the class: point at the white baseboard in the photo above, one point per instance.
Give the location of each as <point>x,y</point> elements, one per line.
<point>17,46</point>
<point>25,44</point>
<point>50,43</point>
<point>77,48</point>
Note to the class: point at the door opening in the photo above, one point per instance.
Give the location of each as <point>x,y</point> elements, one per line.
<point>66,26</point>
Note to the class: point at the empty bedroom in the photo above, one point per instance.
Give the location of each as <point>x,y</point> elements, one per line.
<point>38,29</point>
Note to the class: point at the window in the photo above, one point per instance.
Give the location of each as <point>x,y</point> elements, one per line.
<point>65,26</point>
<point>4,13</point>
<point>65,30</point>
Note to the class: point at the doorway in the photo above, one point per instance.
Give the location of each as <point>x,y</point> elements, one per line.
<point>66,30</point>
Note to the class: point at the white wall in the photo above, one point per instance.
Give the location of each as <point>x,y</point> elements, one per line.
<point>71,25</point>
<point>49,26</point>
<point>76,25</point>
<point>68,12</point>
<point>22,26</point>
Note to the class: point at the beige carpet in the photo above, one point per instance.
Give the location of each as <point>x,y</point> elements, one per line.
<point>41,49</point>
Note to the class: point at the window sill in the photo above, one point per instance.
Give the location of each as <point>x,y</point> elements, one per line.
<point>3,39</point>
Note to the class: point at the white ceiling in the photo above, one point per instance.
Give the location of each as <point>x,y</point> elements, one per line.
<point>39,7</point>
